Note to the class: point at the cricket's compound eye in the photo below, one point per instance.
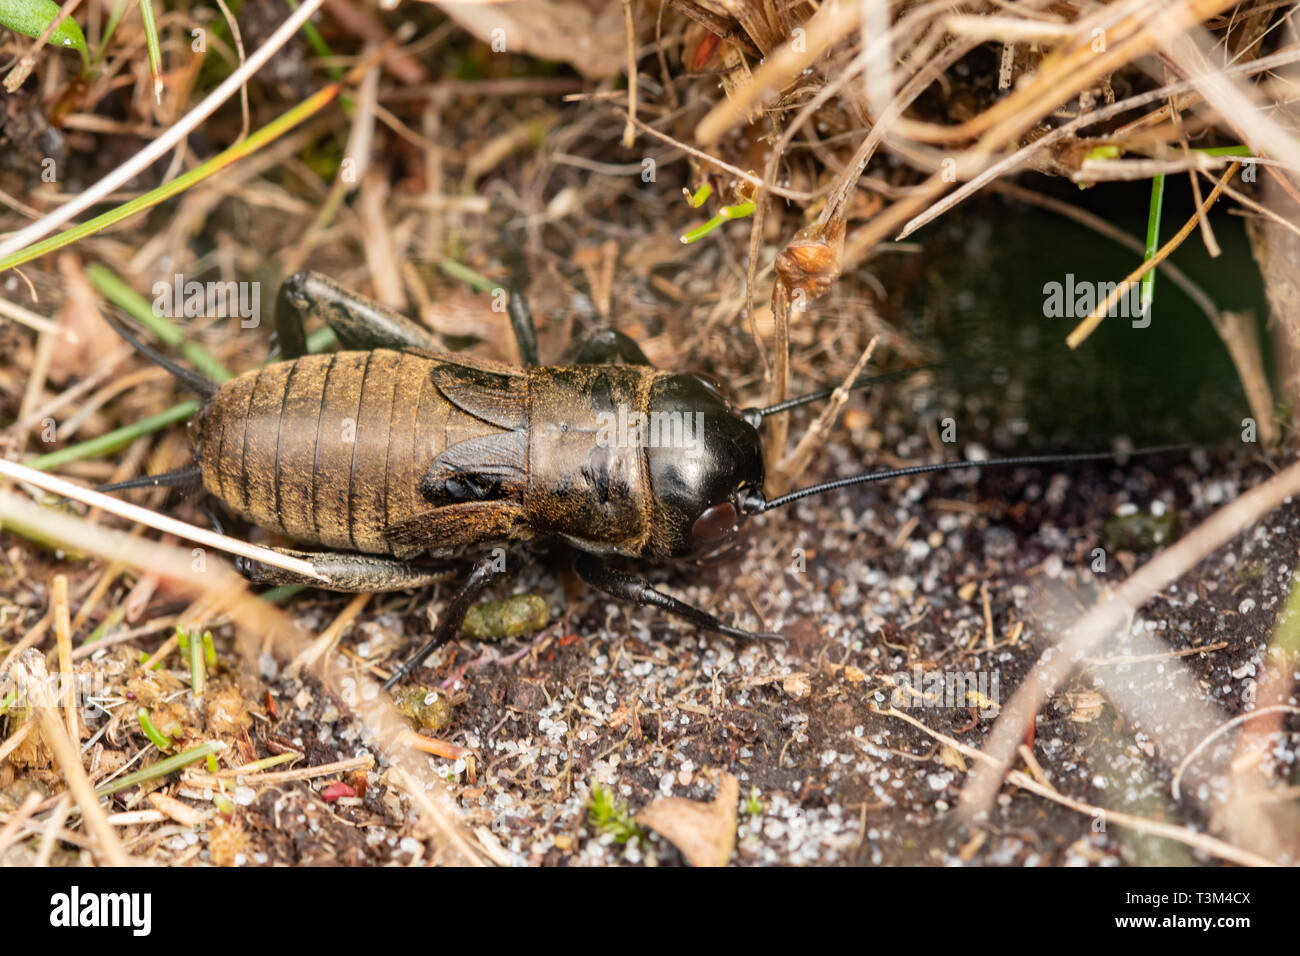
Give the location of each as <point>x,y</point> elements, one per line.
<point>714,529</point>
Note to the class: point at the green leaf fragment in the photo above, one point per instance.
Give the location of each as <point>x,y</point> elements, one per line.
<point>699,197</point>
<point>162,768</point>
<point>31,17</point>
<point>725,214</point>
<point>1103,152</point>
<point>156,736</point>
<point>610,815</point>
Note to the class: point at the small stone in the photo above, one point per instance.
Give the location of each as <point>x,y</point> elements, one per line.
<point>999,542</point>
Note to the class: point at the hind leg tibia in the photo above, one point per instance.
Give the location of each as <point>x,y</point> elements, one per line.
<point>344,571</point>
<point>360,323</point>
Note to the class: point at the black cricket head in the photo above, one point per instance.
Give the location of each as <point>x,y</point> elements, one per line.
<point>706,490</point>
<point>713,459</point>
<point>708,477</point>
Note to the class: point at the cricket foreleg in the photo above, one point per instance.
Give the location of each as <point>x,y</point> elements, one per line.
<point>634,590</point>
<point>521,316</point>
<point>521,321</point>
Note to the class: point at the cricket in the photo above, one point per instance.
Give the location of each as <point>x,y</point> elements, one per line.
<point>389,451</point>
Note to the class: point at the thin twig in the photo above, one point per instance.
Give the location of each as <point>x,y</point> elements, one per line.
<point>1020,157</point>
<point>1102,621</point>
<point>9,832</point>
<point>63,639</point>
<point>831,22</point>
<point>629,130</point>
<point>1089,324</point>
<point>318,648</point>
<point>363,762</point>
<point>27,640</point>
<point>53,827</point>
<point>68,757</point>
<point>794,464</point>
<point>794,194</point>
<point>124,509</point>
<point>164,144</point>
<point>1198,841</point>
<point>1174,784</point>
<point>239,48</point>
<point>14,311</point>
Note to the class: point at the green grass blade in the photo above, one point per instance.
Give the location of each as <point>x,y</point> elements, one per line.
<point>1227,151</point>
<point>151,40</point>
<point>267,134</point>
<point>112,441</point>
<point>198,673</point>
<point>114,18</point>
<point>725,214</point>
<point>317,43</point>
<point>162,768</point>
<point>468,276</point>
<point>115,290</point>
<point>1148,286</point>
<point>156,736</point>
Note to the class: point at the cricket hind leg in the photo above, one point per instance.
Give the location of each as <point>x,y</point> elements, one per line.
<point>359,322</point>
<point>485,570</point>
<point>345,571</point>
<point>362,323</point>
<point>634,590</point>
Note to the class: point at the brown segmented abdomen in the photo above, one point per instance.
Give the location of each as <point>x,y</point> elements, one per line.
<point>330,449</point>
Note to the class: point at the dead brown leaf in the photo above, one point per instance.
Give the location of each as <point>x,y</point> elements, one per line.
<point>704,832</point>
<point>586,34</point>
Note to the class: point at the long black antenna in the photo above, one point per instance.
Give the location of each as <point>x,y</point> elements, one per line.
<point>756,415</point>
<point>756,505</point>
<point>188,377</point>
